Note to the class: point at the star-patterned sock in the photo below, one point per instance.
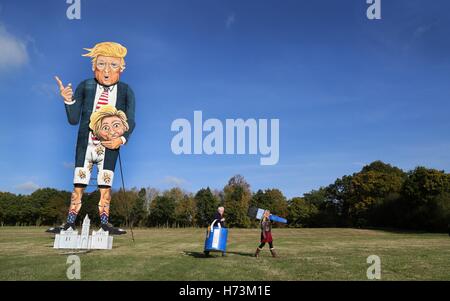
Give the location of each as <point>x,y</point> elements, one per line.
<point>104,218</point>
<point>72,217</point>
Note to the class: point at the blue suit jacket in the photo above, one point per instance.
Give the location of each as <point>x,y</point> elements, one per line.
<point>81,110</point>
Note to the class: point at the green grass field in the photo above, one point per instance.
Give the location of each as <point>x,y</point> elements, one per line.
<point>177,254</point>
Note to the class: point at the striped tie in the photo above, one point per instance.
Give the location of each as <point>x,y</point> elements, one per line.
<point>103,100</point>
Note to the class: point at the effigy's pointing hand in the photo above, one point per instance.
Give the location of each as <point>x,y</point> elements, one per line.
<point>66,92</point>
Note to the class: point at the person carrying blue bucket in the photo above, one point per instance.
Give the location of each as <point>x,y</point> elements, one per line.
<point>217,234</point>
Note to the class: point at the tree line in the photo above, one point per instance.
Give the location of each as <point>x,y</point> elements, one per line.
<point>379,195</point>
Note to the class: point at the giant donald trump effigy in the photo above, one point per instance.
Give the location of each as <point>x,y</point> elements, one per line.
<point>104,108</point>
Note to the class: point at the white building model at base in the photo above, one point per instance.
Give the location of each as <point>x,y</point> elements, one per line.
<point>71,240</point>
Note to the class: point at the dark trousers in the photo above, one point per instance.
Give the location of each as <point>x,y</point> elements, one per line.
<point>263,244</point>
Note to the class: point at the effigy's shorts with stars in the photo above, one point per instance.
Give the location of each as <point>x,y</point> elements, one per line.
<point>95,155</point>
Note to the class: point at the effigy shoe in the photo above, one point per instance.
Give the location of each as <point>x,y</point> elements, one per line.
<point>65,227</point>
<point>113,230</point>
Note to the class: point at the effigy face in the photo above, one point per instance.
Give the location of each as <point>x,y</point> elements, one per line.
<point>108,123</point>
<point>111,128</point>
<point>107,70</point>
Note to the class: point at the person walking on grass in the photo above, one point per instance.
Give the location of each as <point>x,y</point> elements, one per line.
<point>266,235</point>
<point>218,219</point>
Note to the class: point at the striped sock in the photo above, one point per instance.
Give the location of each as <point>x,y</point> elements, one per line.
<point>72,217</point>
<point>104,218</point>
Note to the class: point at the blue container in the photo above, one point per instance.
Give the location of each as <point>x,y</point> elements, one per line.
<point>260,212</point>
<point>276,218</point>
<point>216,239</point>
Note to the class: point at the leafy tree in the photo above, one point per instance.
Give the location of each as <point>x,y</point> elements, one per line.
<point>185,212</point>
<point>237,197</point>
<point>162,211</point>
<point>425,200</point>
<point>369,190</point>
<point>54,211</point>
<point>335,208</point>
<point>150,194</point>
<point>128,207</point>
<point>206,205</point>
<point>175,193</point>
<point>44,206</point>
<point>301,212</point>
<point>138,210</point>
<point>329,203</point>
<point>359,199</point>
<point>10,206</point>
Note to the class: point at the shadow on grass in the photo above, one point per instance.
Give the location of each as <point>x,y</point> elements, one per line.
<point>242,254</point>
<point>75,252</point>
<point>197,254</point>
<point>215,254</point>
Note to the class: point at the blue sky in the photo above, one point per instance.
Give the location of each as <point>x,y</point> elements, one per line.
<point>347,90</point>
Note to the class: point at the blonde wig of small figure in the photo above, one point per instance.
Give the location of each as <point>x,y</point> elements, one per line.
<point>106,111</point>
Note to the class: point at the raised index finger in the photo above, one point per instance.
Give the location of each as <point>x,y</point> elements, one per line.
<point>60,84</point>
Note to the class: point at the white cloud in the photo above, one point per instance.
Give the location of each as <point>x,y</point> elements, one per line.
<point>27,187</point>
<point>231,19</point>
<point>423,29</point>
<point>13,51</point>
<point>47,90</point>
<point>174,181</point>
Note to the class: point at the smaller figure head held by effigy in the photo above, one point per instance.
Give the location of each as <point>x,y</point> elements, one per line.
<point>108,123</point>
